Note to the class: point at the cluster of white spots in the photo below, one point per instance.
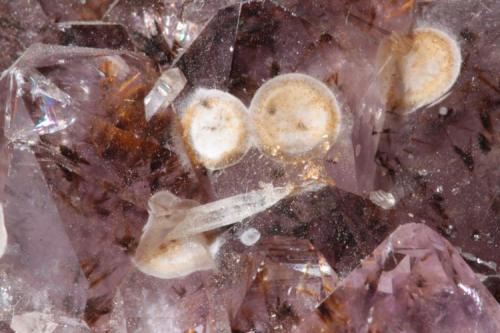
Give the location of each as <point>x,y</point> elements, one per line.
<point>294,114</point>
<point>418,69</point>
<point>215,128</point>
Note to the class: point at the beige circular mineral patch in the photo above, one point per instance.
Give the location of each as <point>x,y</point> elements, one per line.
<point>294,115</point>
<point>418,69</point>
<point>215,128</point>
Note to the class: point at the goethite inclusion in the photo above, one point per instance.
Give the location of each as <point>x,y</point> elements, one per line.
<point>254,166</point>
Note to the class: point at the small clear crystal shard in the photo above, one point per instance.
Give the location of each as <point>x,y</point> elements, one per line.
<point>30,94</point>
<point>382,199</point>
<point>168,86</point>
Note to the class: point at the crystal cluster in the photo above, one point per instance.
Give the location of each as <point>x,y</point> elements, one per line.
<point>249,166</point>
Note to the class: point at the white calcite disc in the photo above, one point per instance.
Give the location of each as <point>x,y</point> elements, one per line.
<point>215,128</point>
<point>295,114</point>
<point>418,69</point>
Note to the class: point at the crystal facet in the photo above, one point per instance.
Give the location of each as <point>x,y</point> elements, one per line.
<point>292,280</point>
<point>166,89</point>
<point>414,281</point>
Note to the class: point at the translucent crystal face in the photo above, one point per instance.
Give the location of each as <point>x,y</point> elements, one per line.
<point>295,114</point>
<point>215,128</point>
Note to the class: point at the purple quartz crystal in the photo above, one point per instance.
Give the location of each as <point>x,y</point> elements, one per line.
<point>414,281</point>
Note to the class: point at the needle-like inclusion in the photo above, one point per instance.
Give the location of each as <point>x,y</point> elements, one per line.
<point>418,69</point>
<point>294,115</point>
<point>174,243</point>
<point>215,128</point>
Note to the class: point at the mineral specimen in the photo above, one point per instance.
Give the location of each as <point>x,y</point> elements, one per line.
<point>225,166</point>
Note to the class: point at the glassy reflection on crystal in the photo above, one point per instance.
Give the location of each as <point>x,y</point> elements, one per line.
<point>166,89</point>
<point>49,107</point>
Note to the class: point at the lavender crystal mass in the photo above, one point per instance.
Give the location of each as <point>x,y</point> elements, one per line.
<point>152,178</point>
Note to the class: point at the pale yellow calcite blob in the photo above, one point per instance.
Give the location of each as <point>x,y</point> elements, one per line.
<point>418,69</point>
<point>295,114</point>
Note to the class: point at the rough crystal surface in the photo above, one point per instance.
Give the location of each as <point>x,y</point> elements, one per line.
<point>291,281</point>
<point>414,281</point>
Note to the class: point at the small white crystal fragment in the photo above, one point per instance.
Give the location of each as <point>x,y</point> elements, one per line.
<point>166,89</point>
<point>51,106</point>
<point>3,233</point>
<point>443,111</point>
<point>250,236</point>
<point>382,199</point>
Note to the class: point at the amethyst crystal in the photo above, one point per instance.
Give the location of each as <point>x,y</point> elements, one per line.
<point>414,281</point>
<point>93,125</point>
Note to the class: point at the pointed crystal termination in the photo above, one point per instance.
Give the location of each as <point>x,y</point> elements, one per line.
<point>166,89</point>
<point>292,280</point>
<point>415,281</point>
<point>208,61</point>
